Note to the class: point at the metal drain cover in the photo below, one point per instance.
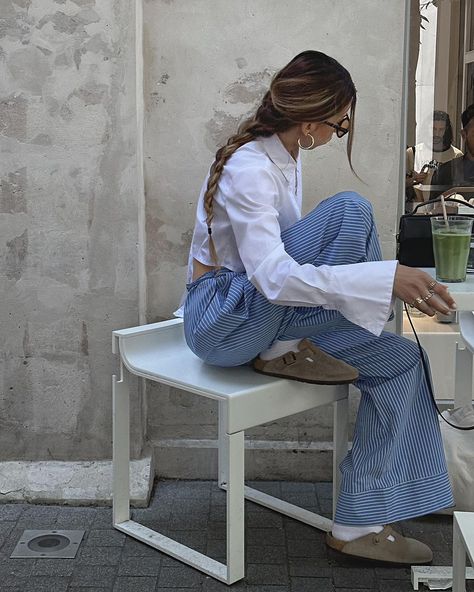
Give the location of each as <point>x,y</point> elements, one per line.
<point>48,544</point>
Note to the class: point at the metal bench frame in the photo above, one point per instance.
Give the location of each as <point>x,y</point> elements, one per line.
<point>246,399</point>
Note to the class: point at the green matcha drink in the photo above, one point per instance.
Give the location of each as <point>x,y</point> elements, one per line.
<point>451,244</point>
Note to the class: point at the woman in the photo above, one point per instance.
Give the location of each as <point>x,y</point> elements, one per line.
<point>307,298</point>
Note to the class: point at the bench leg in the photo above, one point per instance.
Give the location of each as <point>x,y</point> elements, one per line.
<point>459,559</point>
<point>222,446</point>
<point>463,377</point>
<point>121,449</point>
<point>235,507</point>
<point>340,446</point>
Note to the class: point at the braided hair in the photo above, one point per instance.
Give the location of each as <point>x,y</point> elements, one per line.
<point>311,88</point>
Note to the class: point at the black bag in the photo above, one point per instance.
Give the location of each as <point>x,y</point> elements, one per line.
<point>414,240</point>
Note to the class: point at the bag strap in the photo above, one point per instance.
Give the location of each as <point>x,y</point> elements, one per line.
<point>438,199</point>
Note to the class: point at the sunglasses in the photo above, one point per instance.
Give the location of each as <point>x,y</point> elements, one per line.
<point>342,127</point>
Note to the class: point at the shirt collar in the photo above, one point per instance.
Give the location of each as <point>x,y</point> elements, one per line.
<point>279,155</point>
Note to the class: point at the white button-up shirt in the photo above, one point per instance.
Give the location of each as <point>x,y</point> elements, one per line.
<point>259,196</point>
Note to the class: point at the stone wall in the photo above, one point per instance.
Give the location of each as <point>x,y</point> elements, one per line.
<point>68,221</point>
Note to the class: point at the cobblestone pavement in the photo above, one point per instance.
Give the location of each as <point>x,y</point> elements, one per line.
<point>282,554</point>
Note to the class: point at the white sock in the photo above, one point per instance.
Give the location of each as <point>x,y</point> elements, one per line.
<point>349,533</point>
<point>279,348</point>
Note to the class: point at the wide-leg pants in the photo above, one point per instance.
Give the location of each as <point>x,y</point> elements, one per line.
<point>396,468</point>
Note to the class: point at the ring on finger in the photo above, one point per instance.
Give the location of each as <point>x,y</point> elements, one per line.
<point>432,284</point>
<point>418,300</point>
<point>428,296</point>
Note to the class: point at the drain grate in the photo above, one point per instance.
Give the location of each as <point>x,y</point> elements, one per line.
<point>48,544</point>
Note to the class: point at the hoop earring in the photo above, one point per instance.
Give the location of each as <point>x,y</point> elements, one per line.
<point>310,147</point>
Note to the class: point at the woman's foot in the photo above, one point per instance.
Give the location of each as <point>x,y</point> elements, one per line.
<point>309,364</point>
<point>387,546</point>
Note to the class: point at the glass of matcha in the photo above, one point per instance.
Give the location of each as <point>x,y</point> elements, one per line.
<point>451,244</point>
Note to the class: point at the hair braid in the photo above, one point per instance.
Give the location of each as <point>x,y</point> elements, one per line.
<point>261,124</point>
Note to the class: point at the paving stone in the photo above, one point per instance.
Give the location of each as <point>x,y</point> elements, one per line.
<point>302,548</point>
<point>395,586</point>
<point>47,584</point>
<point>306,501</point>
<point>126,584</point>
<point>211,585</point>
<point>134,548</point>
<point>358,589</point>
<point>270,487</point>
<point>100,555</point>
<point>267,555</point>
<point>182,489</point>
<point>158,514</point>
<point>38,518</point>
<point>270,575</point>
<point>261,536</point>
<point>140,566</point>
<point>71,518</point>
<point>91,589</point>
<point>217,550</point>
<point>6,528</point>
<point>260,520</point>
<point>93,575</point>
<point>160,589</point>
<point>299,531</point>
<point>103,519</point>
<point>189,521</point>
<point>105,538</point>
<point>179,577</point>
<point>218,514</point>
<point>268,589</point>
<point>309,568</point>
<point>15,567</point>
<point>393,573</point>
<point>354,578</point>
<point>11,511</point>
<point>13,581</point>
<point>311,585</point>
<point>325,507</point>
<point>216,530</point>
<point>297,487</point>
<point>11,541</point>
<point>52,567</point>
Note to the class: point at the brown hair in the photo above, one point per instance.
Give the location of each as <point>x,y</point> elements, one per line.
<point>311,88</point>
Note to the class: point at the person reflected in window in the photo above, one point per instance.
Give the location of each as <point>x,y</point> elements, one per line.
<point>423,159</point>
<point>458,172</point>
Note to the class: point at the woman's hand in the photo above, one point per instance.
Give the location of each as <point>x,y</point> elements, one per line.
<point>415,178</point>
<point>419,289</point>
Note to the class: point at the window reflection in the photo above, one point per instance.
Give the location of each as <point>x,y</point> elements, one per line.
<point>441,91</point>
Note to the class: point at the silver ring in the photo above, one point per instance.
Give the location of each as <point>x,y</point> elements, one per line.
<point>428,296</point>
<point>432,284</point>
<point>418,300</point>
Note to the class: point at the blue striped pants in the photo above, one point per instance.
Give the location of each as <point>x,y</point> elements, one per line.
<point>396,468</point>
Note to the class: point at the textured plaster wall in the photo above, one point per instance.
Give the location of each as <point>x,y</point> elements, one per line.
<point>68,221</point>
<point>207,63</point>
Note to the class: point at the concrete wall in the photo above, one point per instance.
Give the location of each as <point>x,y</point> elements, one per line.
<point>70,197</point>
<point>68,221</point>
<point>207,64</point>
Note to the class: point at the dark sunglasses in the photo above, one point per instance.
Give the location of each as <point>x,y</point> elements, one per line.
<point>342,127</point>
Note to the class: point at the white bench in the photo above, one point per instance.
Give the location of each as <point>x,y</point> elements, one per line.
<point>246,399</point>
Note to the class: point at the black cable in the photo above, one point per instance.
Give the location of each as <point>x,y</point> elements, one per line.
<point>428,377</point>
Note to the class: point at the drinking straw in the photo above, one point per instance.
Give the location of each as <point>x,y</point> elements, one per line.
<point>445,215</point>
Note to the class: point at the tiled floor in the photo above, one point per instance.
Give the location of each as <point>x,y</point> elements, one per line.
<point>282,554</point>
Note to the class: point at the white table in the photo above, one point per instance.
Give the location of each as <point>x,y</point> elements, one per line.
<point>463,543</point>
<point>463,537</point>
